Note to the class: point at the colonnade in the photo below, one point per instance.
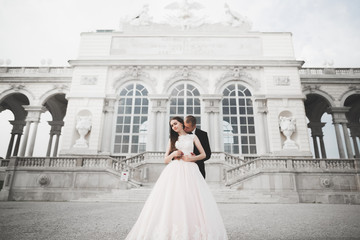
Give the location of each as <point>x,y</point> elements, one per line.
<point>343,139</point>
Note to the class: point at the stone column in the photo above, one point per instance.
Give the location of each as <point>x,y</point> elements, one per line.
<point>261,126</point>
<point>33,116</point>
<point>109,109</point>
<point>355,133</point>
<point>17,131</point>
<point>55,131</point>
<point>212,111</point>
<point>316,132</point>
<point>10,147</point>
<point>158,123</point>
<point>339,118</point>
<point>25,138</point>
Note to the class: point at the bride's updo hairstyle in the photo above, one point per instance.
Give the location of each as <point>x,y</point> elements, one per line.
<point>174,135</point>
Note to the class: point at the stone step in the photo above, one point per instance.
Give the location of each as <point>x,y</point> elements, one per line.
<point>220,195</point>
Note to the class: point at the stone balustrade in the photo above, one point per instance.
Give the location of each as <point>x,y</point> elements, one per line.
<point>291,165</point>
<point>4,162</point>
<point>35,70</point>
<point>305,163</point>
<point>63,162</point>
<point>30,162</point>
<point>228,158</point>
<point>334,71</point>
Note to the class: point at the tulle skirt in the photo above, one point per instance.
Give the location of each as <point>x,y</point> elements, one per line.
<point>180,206</point>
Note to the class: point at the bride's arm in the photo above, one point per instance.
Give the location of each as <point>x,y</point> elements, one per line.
<point>169,156</point>
<point>202,154</point>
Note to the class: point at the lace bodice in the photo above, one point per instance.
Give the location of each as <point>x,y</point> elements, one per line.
<point>185,143</point>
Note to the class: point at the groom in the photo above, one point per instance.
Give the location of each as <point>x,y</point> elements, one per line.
<point>190,127</point>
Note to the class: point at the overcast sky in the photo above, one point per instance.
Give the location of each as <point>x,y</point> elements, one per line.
<point>32,30</point>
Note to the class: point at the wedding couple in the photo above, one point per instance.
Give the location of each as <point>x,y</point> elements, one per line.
<point>181,206</point>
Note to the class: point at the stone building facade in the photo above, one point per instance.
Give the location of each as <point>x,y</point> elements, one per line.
<point>246,89</point>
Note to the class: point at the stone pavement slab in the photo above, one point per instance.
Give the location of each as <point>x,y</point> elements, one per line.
<point>96,220</point>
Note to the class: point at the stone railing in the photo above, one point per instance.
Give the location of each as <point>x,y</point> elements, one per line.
<point>135,160</point>
<point>63,162</point>
<point>289,165</point>
<point>30,162</point>
<point>228,158</point>
<point>334,71</point>
<point>35,70</point>
<point>4,162</point>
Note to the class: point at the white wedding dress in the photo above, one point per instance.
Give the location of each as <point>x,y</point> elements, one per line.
<point>180,206</point>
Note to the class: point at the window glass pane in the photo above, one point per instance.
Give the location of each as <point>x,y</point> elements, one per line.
<point>244,149</point>
<point>119,128</point>
<point>236,149</point>
<point>137,110</point>
<point>117,139</point>
<point>126,139</point>
<point>117,149</point>
<point>251,129</point>
<point>252,139</point>
<point>241,102</point>
<point>253,149</point>
<point>128,110</point>
<point>135,139</point>
<point>243,129</point>
<point>134,148</point>
<point>144,110</point>
<point>136,120</point>
<point>125,148</point>
<point>127,120</point>
<point>126,128</point>
<point>135,128</point>
<point>137,101</point>
<point>242,120</point>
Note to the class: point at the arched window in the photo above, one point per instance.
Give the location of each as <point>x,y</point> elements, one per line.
<point>185,101</point>
<point>238,120</point>
<point>131,122</point>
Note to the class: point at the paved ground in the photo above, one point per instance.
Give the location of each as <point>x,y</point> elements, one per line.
<point>76,220</point>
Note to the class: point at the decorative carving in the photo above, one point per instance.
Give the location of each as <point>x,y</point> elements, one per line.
<point>184,15</point>
<point>281,80</point>
<point>311,88</point>
<point>287,127</point>
<point>88,80</point>
<point>325,182</point>
<point>142,18</point>
<point>17,87</point>
<point>44,180</point>
<point>61,87</point>
<point>83,126</point>
<point>235,19</point>
<point>237,73</point>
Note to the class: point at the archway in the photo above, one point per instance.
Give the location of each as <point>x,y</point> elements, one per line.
<point>353,117</point>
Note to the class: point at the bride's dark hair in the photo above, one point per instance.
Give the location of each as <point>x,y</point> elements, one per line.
<point>174,135</point>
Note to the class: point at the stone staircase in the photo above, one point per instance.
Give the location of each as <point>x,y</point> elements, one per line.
<point>221,195</point>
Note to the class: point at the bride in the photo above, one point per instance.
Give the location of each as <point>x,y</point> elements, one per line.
<point>180,206</point>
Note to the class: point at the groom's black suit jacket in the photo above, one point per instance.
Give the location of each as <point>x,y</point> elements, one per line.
<point>204,140</point>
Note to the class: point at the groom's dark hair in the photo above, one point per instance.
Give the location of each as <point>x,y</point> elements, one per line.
<point>190,119</point>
